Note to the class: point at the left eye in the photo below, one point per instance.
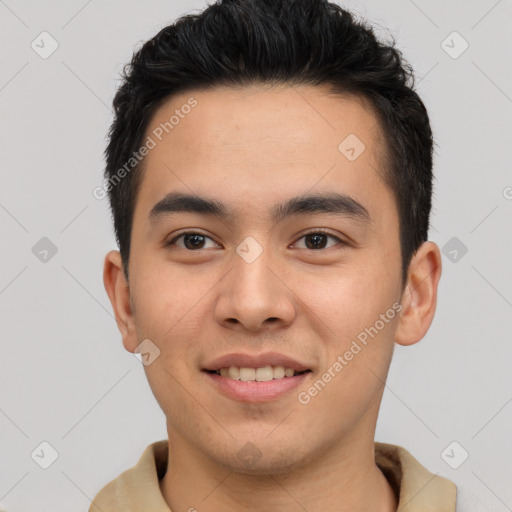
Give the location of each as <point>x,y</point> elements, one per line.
<point>317,240</point>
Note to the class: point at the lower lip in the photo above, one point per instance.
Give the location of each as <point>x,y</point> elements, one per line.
<point>254,391</point>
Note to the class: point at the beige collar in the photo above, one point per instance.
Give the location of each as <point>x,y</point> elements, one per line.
<point>138,488</point>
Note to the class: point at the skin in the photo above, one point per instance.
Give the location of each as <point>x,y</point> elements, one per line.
<point>251,148</point>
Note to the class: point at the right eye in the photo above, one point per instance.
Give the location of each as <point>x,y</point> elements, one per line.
<point>191,240</point>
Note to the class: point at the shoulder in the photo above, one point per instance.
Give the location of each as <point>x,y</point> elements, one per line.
<point>133,489</point>
<point>412,479</point>
<point>416,487</point>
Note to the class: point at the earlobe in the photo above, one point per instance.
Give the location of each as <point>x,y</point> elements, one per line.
<point>420,296</point>
<point>118,292</point>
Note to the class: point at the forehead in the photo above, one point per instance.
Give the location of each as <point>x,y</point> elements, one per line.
<point>262,144</point>
<point>225,116</point>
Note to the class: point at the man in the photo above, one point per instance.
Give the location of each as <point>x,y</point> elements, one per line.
<point>269,171</point>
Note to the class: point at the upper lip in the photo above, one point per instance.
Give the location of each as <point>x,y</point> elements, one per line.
<point>255,361</point>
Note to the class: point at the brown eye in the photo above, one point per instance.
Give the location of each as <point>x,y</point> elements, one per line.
<point>191,241</point>
<point>318,240</point>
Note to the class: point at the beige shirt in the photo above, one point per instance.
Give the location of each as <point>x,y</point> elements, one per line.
<point>417,490</point>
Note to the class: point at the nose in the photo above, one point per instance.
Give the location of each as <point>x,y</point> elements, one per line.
<point>254,296</point>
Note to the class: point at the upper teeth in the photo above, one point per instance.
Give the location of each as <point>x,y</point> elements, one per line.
<point>259,374</point>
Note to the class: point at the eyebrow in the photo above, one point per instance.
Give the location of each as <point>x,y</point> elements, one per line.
<point>329,202</point>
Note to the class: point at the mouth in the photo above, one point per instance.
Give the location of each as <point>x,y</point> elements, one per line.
<point>247,378</point>
<point>261,374</point>
<point>252,390</point>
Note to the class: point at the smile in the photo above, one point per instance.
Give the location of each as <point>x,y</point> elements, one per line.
<point>246,388</point>
<point>262,374</point>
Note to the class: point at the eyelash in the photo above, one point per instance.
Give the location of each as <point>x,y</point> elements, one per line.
<point>315,232</point>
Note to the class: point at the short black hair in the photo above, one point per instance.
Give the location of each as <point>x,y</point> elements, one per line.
<point>238,43</point>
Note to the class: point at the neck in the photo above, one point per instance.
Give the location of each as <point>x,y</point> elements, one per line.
<point>343,478</point>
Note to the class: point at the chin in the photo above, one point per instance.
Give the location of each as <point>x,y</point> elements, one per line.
<point>262,457</point>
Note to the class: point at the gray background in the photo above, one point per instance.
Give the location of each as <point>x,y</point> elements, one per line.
<point>64,375</point>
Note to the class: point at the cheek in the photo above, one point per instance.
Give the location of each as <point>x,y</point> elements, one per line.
<point>168,301</point>
<point>352,297</point>
<point>369,321</point>
<point>172,315</point>
<point>361,309</point>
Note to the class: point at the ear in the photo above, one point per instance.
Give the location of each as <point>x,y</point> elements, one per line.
<point>420,295</point>
<point>118,292</point>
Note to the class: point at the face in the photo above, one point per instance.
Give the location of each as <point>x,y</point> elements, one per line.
<point>312,286</point>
